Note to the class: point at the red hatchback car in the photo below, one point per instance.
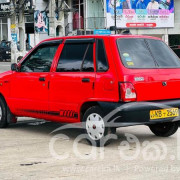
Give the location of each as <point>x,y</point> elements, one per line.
<point>104,81</point>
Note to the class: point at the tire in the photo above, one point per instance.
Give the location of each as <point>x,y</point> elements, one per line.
<point>3,113</point>
<point>164,129</point>
<point>95,129</point>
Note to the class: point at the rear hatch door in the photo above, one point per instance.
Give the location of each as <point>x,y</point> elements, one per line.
<point>152,67</point>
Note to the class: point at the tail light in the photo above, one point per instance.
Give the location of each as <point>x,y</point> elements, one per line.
<point>127,92</point>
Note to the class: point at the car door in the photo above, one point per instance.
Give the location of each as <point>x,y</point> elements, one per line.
<point>29,86</point>
<point>72,83</point>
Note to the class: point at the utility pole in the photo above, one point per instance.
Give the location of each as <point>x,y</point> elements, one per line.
<point>84,17</point>
<point>52,23</point>
<point>21,23</point>
<point>14,31</point>
<point>79,14</point>
<point>115,16</point>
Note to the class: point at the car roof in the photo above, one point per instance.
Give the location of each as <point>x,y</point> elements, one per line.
<point>118,36</point>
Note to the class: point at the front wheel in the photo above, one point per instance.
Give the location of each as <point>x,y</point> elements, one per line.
<point>164,129</point>
<point>96,129</point>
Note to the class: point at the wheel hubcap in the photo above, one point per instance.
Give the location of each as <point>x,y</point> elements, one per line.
<point>95,126</point>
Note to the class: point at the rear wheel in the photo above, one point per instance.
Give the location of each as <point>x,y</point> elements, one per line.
<point>96,130</point>
<point>3,113</point>
<point>164,129</point>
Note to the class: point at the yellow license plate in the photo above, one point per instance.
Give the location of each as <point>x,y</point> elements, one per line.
<point>164,113</point>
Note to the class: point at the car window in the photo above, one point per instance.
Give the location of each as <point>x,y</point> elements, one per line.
<point>5,44</point>
<point>76,57</point>
<point>40,60</point>
<point>163,55</point>
<point>88,64</point>
<point>146,53</point>
<point>135,53</point>
<point>101,59</point>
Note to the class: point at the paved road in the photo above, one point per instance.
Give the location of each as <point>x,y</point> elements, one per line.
<point>4,66</point>
<point>25,154</point>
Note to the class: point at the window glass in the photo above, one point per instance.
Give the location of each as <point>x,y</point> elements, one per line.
<point>101,59</point>
<point>135,53</point>
<point>163,55</point>
<point>146,53</point>
<point>4,20</point>
<point>40,60</point>
<point>76,57</point>
<point>88,64</point>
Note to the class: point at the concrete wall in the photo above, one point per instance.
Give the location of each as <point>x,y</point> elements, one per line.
<point>40,5</point>
<point>176,29</point>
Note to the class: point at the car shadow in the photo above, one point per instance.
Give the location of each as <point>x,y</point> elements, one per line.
<point>46,128</point>
<point>49,129</point>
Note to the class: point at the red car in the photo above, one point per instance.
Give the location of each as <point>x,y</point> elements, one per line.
<point>104,81</point>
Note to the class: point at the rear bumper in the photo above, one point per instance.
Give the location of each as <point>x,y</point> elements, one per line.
<point>134,113</point>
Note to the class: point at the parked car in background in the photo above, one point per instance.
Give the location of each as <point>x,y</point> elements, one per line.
<point>19,53</point>
<point>5,51</point>
<point>176,49</point>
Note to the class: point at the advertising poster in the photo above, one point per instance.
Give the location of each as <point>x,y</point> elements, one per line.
<point>141,13</point>
<point>41,21</point>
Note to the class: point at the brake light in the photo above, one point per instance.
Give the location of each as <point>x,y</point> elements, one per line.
<point>127,92</point>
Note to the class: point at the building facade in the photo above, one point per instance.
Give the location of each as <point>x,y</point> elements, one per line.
<point>5,33</point>
<point>42,19</point>
<point>92,14</point>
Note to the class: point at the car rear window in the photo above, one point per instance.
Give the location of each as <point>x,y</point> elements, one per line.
<point>146,53</point>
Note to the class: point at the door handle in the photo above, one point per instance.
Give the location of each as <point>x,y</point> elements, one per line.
<point>42,79</point>
<point>85,80</point>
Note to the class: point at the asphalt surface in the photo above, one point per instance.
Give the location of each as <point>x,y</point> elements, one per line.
<point>25,154</point>
<point>29,150</point>
<point>5,66</point>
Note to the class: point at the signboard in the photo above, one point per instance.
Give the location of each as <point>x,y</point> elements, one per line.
<point>28,5</point>
<point>4,7</point>
<point>141,13</point>
<point>102,31</point>
<point>13,26</point>
<point>4,1</point>
<point>14,37</point>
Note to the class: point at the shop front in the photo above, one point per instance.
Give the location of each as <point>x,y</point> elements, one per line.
<point>5,33</point>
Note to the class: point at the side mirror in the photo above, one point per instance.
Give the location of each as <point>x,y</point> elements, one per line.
<point>14,67</point>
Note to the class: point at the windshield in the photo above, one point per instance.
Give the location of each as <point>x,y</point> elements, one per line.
<point>146,53</point>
